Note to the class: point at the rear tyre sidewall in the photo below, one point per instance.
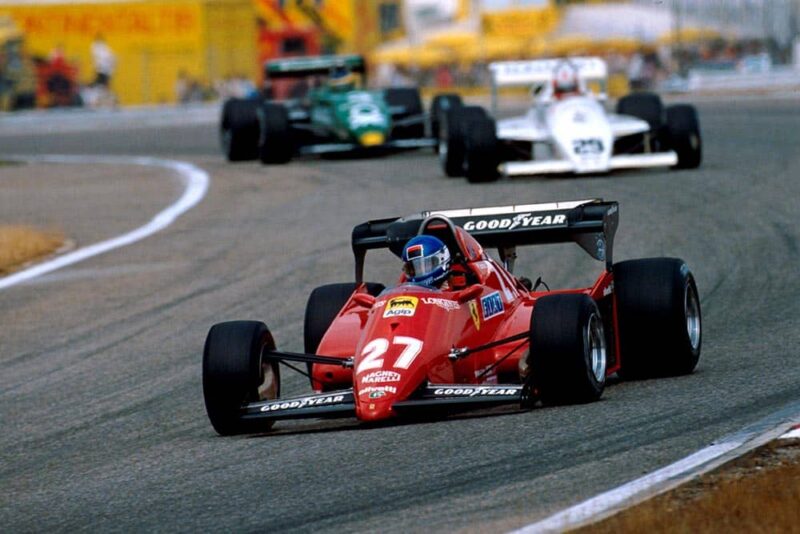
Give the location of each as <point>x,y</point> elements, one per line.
<point>235,373</point>
<point>564,331</point>
<point>275,139</point>
<point>683,135</point>
<point>655,298</point>
<point>239,129</point>
<point>323,305</point>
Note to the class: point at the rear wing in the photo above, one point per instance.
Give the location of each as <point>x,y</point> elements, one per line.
<point>540,72</point>
<point>307,66</point>
<point>591,224</point>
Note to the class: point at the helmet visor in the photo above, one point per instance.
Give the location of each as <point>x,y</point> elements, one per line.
<point>422,266</point>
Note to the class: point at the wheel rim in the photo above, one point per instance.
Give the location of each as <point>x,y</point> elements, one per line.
<point>596,343</point>
<point>692,312</point>
<point>268,388</point>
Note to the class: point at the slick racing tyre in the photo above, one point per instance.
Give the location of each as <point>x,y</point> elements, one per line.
<point>451,137</point>
<point>235,373</point>
<point>239,129</point>
<point>323,305</point>
<point>275,139</point>
<point>567,356</point>
<point>439,106</point>
<point>647,107</point>
<point>481,150</point>
<point>683,135</point>
<point>409,99</point>
<point>658,310</point>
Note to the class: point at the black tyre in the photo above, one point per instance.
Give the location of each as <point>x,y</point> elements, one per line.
<point>645,106</point>
<point>451,137</point>
<point>481,150</point>
<point>235,373</point>
<point>409,99</point>
<point>439,106</point>
<point>275,139</point>
<point>239,129</point>
<point>323,305</point>
<point>567,357</point>
<point>658,310</point>
<point>683,135</point>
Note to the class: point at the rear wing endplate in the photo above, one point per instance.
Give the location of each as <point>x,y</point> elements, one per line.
<point>591,224</point>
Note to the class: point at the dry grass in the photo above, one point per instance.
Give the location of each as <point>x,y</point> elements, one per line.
<point>759,492</point>
<point>20,245</point>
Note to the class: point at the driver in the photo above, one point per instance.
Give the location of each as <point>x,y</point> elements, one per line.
<point>341,79</point>
<point>426,261</point>
<point>566,81</point>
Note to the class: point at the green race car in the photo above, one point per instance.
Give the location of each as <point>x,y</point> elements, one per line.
<point>325,109</point>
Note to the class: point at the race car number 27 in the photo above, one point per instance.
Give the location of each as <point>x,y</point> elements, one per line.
<point>371,356</point>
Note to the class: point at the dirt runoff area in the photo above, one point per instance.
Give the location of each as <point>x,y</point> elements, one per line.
<point>758,492</point>
<point>22,245</point>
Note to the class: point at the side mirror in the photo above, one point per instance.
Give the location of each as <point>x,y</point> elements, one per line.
<point>468,294</point>
<point>364,299</point>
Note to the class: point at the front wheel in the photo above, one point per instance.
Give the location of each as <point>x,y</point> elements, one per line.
<point>567,357</point>
<point>455,122</point>
<point>481,151</point>
<point>275,139</point>
<point>683,135</point>
<point>659,317</point>
<point>235,373</point>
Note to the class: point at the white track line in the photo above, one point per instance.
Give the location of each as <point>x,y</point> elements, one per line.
<point>195,182</point>
<point>615,500</point>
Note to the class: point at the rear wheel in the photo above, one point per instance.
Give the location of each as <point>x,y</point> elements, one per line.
<point>275,139</point>
<point>452,131</point>
<point>647,107</point>
<point>323,305</point>
<point>481,156</point>
<point>658,309</point>
<point>235,373</point>
<point>683,135</point>
<point>567,356</point>
<point>239,129</point>
<point>409,99</point>
<point>439,106</point>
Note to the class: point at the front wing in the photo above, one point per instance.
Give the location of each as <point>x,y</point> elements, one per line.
<point>446,397</point>
<point>338,148</point>
<point>556,166</point>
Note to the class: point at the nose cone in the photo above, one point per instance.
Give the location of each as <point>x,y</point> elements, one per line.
<point>376,391</point>
<point>371,138</point>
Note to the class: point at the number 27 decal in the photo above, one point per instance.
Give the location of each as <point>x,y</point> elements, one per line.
<point>375,349</point>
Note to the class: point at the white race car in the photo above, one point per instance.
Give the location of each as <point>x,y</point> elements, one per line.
<point>567,128</point>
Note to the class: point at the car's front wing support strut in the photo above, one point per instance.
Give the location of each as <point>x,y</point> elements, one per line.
<point>308,358</point>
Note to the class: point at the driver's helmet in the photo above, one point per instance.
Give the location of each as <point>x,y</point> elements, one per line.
<point>566,79</point>
<point>341,79</point>
<point>426,261</point>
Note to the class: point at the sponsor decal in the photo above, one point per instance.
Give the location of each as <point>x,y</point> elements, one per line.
<point>377,377</point>
<point>608,289</point>
<point>491,305</point>
<point>366,114</point>
<point>400,307</point>
<point>376,392</point>
<point>478,391</point>
<point>473,312</point>
<point>302,403</point>
<point>521,220</point>
<point>449,305</point>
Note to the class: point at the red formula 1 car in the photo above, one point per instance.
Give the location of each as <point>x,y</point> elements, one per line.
<point>490,338</point>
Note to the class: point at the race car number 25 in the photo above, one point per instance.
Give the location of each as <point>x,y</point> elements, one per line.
<point>587,147</point>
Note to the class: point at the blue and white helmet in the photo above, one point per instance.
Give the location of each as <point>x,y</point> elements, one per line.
<point>426,261</point>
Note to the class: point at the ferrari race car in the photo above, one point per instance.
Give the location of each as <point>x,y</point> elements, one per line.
<point>567,129</point>
<point>489,339</point>
<point>324,112</point>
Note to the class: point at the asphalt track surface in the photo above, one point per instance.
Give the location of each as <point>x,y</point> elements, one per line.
<point>103,424</point>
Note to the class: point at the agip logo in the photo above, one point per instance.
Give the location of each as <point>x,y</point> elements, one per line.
<point>400,307</point>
